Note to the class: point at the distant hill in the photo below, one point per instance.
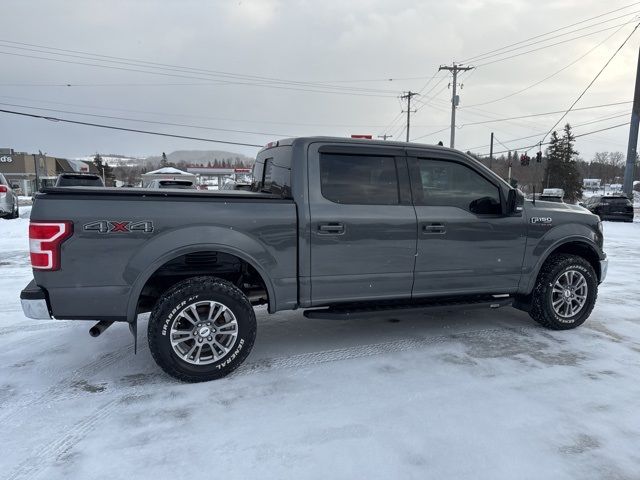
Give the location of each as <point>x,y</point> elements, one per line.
<point>203,157</point>
<point>187,156</point>
<point>115,160</point>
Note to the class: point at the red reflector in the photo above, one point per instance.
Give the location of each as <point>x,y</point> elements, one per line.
<point>39,260</point>
<point>45,239</point>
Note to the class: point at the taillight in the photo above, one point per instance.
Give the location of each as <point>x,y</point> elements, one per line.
<point>3,189</point>
<point>45,239</point>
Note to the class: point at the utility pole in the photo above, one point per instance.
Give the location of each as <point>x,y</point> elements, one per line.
<point>455,99</point>
<point>633,137</point>
<point>407,96</point>
<point>385,136</point>
<point>36,164</point>
<point>491,152</point>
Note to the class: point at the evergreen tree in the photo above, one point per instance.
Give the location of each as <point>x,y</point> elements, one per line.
<point>562,166</point>
<point>104,170</point>
<point>164,162</point>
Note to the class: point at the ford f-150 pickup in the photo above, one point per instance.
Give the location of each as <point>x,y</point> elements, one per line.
<point>334,226</point>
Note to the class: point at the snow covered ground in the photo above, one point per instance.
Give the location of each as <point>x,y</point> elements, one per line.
<point>450,394</point>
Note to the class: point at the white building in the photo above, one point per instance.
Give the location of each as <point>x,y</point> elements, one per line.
<point>591,183</point>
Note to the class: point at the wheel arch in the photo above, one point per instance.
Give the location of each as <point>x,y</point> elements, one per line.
<point>579,246</point>
<point>164,259</point>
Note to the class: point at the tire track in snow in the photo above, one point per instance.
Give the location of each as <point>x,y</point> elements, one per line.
<point>64,389</point>
<point>33,328</point>
<point>44,456</point>
<point>314,358</point>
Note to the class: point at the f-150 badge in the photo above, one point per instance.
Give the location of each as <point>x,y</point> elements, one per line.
<point>112,226</point>
<point>542,220</point>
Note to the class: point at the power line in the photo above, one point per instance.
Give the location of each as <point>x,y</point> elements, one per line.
<point>591,82</point>
<point>474,58</point>
<point>529,147</point>
<point>124,129</point>
<point>543,114</point>
<point>173,68</point>
<point>486,57</point>
<point>535,84</point>
<point>536,135</point>
<point>553,44</point>
<point>225,119</point>
<point>431,133</point>
<point>139,120</point>
<point>215,82</point>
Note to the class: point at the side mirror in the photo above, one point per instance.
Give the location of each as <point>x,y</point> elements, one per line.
<point>515,202</point>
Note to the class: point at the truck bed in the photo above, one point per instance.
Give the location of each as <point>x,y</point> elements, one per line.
<point>121,236</point>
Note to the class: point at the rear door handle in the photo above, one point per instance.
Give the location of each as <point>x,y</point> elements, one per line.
<point>332,228</point>
<point>430,228</point>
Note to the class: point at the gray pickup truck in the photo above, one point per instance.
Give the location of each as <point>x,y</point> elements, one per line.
<point>335,226</point>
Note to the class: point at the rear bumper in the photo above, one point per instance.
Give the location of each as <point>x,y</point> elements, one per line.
<point>6,207</point>
<point>623,217</point>
<point>604,266</point>
<point>34,302</point>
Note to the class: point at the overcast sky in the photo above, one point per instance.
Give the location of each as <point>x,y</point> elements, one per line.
<point>352,44</point>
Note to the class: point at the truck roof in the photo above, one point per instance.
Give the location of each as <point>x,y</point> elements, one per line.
<point>361,141</point>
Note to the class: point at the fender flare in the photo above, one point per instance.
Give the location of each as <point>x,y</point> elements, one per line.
<point>549,251</point>
<point>143,277</point>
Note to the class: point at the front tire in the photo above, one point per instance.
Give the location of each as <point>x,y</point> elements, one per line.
<point>202,329</point>
<point>565,292</point>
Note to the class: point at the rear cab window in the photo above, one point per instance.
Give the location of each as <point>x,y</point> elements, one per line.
<point>359,179</point>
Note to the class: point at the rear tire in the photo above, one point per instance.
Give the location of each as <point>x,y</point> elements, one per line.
<point>202,329</point>
<point>565,292</point>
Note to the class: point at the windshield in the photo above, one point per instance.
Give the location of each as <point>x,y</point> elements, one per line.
<point>616,201</point>
<point>79,181</point>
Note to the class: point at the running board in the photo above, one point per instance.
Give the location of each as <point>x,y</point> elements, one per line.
<point>345,312</point>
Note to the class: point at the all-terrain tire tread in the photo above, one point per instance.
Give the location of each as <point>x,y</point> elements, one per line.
<point>539,311</point>
<point>198,283</point>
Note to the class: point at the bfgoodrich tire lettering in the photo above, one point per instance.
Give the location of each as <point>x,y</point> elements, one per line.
<point>553,274</point>
<point>222,351</point>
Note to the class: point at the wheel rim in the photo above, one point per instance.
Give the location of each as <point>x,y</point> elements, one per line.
<point>204,332</point>
<point>569,294</point>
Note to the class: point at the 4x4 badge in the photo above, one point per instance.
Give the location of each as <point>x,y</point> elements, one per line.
<point>112,226</point>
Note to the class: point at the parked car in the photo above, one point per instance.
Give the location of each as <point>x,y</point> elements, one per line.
<point>77,179</point>
<point>179,184</point>
<point>551,198</point>
<point>9,207</point>
<point>610,207</point>
<point>233,185</point>
<point>338,227</point>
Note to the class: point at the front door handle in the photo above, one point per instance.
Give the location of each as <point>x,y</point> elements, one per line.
<point>429,228</point>
<point>332,228</point>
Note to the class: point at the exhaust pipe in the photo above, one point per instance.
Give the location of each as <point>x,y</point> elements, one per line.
<point>100,327</point>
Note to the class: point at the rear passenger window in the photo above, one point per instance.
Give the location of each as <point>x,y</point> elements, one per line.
<point>452,184</point>
<point>359,179</point>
